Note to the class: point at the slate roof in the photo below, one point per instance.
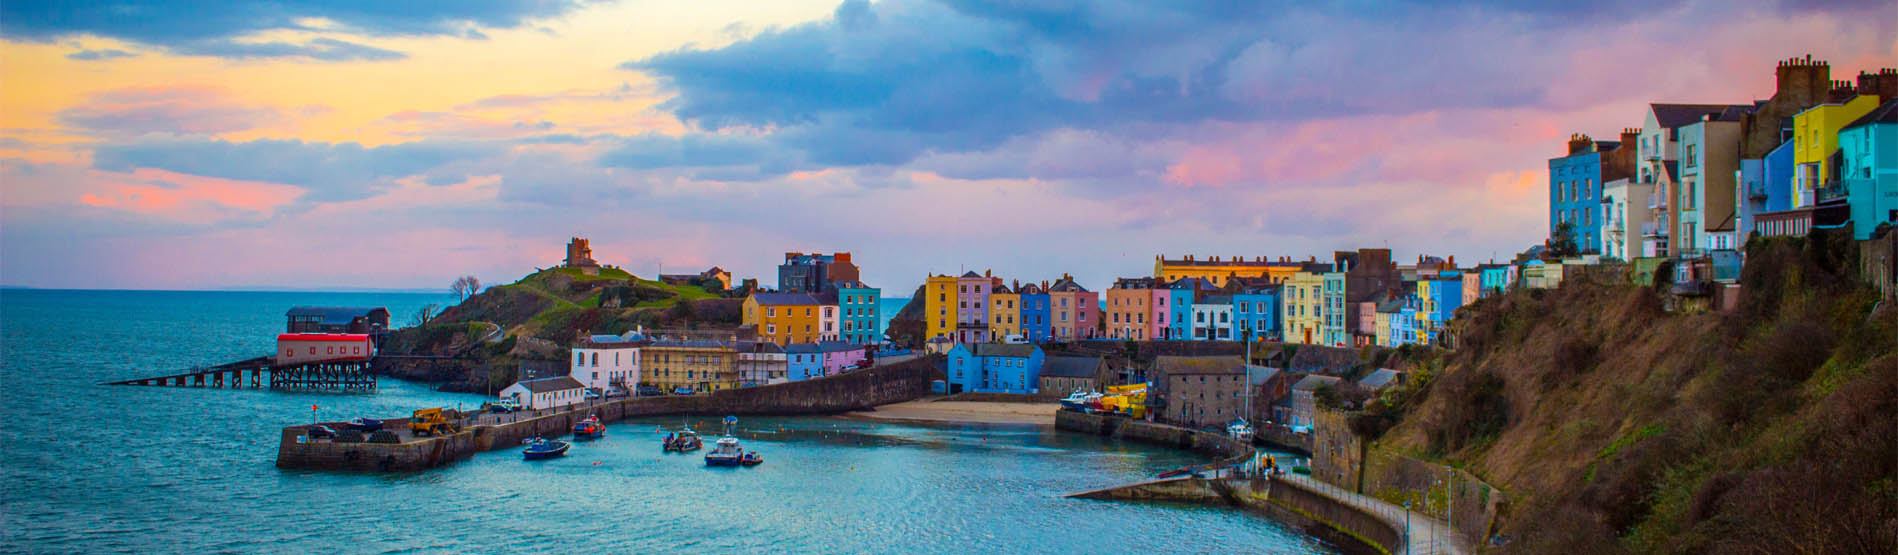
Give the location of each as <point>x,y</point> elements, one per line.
<point>1017,350</point>
<point>1675,115</point>
<point>784,299</point>
<point>1314,381</point>
<point>1884,113</point>
<point>335,315</point>
<point>971,274</point>
<point>544,385</point>
<point>691,343</point>
<point>1198,365</point>
<point>1214,299</point>
<point>1066,285</point>
<point>1134,283</point>
<point>1070,367</point>
<point>1382,377</point>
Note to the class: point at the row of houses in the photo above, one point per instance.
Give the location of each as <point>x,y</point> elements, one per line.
<point>819,299</point>
<point>1696,180</point>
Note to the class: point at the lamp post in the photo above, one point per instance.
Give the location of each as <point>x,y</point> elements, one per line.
<point>1449,504</point>
<point>1406,528</point>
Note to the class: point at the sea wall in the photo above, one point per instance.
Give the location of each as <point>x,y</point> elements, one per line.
<point>1210,444</point>
<point>1326,510</point>
<point>846,392</point>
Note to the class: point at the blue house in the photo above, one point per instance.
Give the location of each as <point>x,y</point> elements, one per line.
<point>1255,313</point>
<point>995,368</point>
<point>1575,192</point>
<point>1182,293</point>
<point>1495,279</point>
<point>1036,325</point>
<point>1445,295</point>
<point>803,361</point>
<point>859,321</point>
<point>1868,168</point>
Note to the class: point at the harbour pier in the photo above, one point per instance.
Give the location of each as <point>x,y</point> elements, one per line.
<point>347,376</point>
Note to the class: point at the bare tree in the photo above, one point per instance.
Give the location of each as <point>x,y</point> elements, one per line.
<point>465,286</point>
<point>424,314</point>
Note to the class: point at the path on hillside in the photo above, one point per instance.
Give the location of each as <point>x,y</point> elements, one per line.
<point>1427,535</point>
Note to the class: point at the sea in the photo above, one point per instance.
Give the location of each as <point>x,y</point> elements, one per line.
<point>88,468</point>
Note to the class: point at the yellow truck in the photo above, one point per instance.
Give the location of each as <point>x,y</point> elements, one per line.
<point>430,421</point>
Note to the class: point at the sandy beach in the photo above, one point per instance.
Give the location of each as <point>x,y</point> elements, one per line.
<point>977,412</point>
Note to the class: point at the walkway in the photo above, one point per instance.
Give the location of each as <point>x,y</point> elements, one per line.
<point>1427,535</point>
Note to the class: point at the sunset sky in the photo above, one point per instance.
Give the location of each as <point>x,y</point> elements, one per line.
<point>316,144</point>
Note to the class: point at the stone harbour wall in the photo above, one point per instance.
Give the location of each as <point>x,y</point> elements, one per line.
<point>858,390</point>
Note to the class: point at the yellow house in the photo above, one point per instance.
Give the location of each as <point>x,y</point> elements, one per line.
<point>783,318</point>
<point>696,365</point>
<point>1383,326</point>
<point>1217,271</point>
<point>1004,312</point>
<point>1816,138</point>
<point>1304,308</point>
<point>939,307</point>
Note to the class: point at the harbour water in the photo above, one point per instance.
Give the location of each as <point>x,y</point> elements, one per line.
<point>92,468</point>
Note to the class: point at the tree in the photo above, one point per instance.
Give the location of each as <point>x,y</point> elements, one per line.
<point>1561,243</point>
<point>465,286</point>
<point>425,314</point>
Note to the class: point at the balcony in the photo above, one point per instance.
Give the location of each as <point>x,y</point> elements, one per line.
<point>1653,230</point>
<point>1657,201</point>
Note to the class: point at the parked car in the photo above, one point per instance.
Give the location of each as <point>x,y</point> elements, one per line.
<point>682,391</point>
<point>364,425</point>
<point>865,363</point>
<point>504,407</point>
<point>322,432</point>
<point>591,394</point>
<point>650,391</point>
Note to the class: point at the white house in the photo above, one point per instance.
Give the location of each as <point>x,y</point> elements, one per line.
<point>1212,320</point>
<point>546,393</point>
<point>607,363</point>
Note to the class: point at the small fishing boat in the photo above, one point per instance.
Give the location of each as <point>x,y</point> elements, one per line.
<point>751,458</point>
<point>682,441</point>
<point>541,448</point>
<point>591,428</point>
<point>1079,400</point>
<point>365,425</point>
<point>726,453</point>
<point>1240,430</point>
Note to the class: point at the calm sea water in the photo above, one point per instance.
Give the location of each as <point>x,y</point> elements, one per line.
<point>88,468</point>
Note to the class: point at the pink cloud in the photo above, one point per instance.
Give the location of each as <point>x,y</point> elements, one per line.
<point>187,198</point>
<point>189,109</point>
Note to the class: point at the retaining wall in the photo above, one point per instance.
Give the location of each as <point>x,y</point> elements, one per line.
<point>846,392</point>
<point>1360,524</point>
<point>1210,444</point>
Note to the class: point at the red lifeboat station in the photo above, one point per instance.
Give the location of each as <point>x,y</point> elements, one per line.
<point>301,348</point>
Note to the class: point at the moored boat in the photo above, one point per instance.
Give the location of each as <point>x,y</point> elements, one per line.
<point>1240,430</point>
<point>725,453</point>
<point>541,448</point>
<point>591,428</point>
<point>751,458</point>
<point>681,441</point>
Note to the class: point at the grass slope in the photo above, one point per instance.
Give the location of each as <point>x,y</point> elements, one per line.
<point>1615,425</point>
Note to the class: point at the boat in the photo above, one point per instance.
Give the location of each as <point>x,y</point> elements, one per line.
<point>682,441</point>
<point>751,458</point>
<point>726,453</point>
<point>541,448</point>
<point>591,428</point>
<point>1079,400</point>
<point>365,425</point>
<point>1240,430</point>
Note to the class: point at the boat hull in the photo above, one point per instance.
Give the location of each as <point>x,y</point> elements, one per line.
<point>541,455</point>
<point>719,460</point>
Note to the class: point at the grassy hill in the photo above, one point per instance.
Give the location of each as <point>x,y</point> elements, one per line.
<point>1616,425</point>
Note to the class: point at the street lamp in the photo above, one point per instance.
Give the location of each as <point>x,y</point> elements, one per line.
<point>1406,528</point>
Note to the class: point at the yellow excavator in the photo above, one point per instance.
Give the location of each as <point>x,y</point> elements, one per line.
<point>430,421</point>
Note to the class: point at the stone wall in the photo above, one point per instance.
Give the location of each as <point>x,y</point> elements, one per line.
<point>846,392</point>
<point>1214,445</point>
<point>1340,458</point>
<point>1362,525</point>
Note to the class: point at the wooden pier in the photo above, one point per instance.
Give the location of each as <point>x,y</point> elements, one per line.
<point>257,373</point>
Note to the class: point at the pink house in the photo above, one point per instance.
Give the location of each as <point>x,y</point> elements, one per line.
<point>840,357</point>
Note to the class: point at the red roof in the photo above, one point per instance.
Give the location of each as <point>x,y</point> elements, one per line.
<point>322,337</point>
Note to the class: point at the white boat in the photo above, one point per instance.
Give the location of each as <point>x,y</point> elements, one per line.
<point>725,453</point>
<point>1240,430</point>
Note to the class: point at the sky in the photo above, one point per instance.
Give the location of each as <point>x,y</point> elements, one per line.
<point>319,144</point>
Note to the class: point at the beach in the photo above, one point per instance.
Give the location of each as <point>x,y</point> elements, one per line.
<point>975,412</point>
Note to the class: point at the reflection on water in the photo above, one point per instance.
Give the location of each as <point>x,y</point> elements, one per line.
<point>168,469</point>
